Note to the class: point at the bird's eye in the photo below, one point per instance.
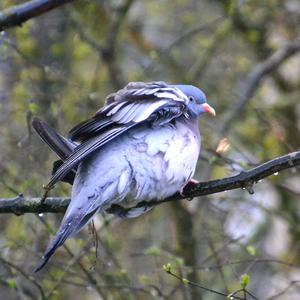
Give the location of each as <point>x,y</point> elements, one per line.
<point>192,99</point>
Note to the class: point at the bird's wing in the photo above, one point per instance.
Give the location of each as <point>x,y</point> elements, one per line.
<point>84,150</point>
<point>136,102</point>
<point>155,103</point>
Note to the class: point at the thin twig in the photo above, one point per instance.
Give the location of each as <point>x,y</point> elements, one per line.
<point>194,284</point>
<point>25,275</point>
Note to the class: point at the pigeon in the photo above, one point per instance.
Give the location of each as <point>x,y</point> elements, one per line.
<point>142,145</point>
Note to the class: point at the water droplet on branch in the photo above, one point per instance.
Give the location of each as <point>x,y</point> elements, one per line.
<point>250,190</point>
<point>249,187</point>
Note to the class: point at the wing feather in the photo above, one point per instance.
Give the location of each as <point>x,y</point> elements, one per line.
<point>84,150</point>
<point>121,107</point>
<point>115,109</point>
<point>118,116</point>
<point>144,110</point>
<point>151,109</point>
<point>135,110</point>
<point>89,128</point>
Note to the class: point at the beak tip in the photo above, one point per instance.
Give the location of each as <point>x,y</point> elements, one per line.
<point>209,109</point>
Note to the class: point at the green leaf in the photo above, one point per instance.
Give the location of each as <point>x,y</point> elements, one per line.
<point>251,250</point>
<point>245,280</point>
<point>154,251</point>
<point>167,267</point>
<point>11,283</point>
<point>33,107</point>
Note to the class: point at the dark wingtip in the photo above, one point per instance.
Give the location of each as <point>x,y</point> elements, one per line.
<point>60,238</point>
<point>45,258</point>
<point>41,263</point>
<point>50,251</point>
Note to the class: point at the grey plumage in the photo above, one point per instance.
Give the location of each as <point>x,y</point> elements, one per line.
<point>142,145</point>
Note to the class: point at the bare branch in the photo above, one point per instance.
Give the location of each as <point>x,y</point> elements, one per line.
<point>17,15</point>
<point>21,205</point>
<point>245,179</point>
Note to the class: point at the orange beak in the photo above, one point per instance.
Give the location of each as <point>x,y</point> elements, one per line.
<point>207,108</point>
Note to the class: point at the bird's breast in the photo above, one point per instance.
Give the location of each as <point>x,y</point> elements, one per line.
<point>163,160</point>
<point>141,165</point>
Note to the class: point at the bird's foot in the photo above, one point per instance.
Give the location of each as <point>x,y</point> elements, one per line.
<point>191,183</point>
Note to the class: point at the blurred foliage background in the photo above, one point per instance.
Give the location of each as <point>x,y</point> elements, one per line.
<point>62,65</point>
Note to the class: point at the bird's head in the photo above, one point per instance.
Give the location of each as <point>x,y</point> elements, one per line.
<point>197,101</point>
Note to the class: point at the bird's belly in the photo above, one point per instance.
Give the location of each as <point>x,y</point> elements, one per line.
<point>163,161</point>
<point>142,165</point>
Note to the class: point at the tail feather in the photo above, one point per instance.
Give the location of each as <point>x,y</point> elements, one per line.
<point>77,215</point>
<point>60,145</point>
<point>57,242</point>
<point>70,226</point>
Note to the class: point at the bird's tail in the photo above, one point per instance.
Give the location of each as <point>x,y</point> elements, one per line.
<point>59,144</point>
<point>71,224</point>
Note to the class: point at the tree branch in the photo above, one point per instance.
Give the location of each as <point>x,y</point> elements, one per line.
<point>17,15</point>
<point>245,179</point>
<point>21,205</point>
